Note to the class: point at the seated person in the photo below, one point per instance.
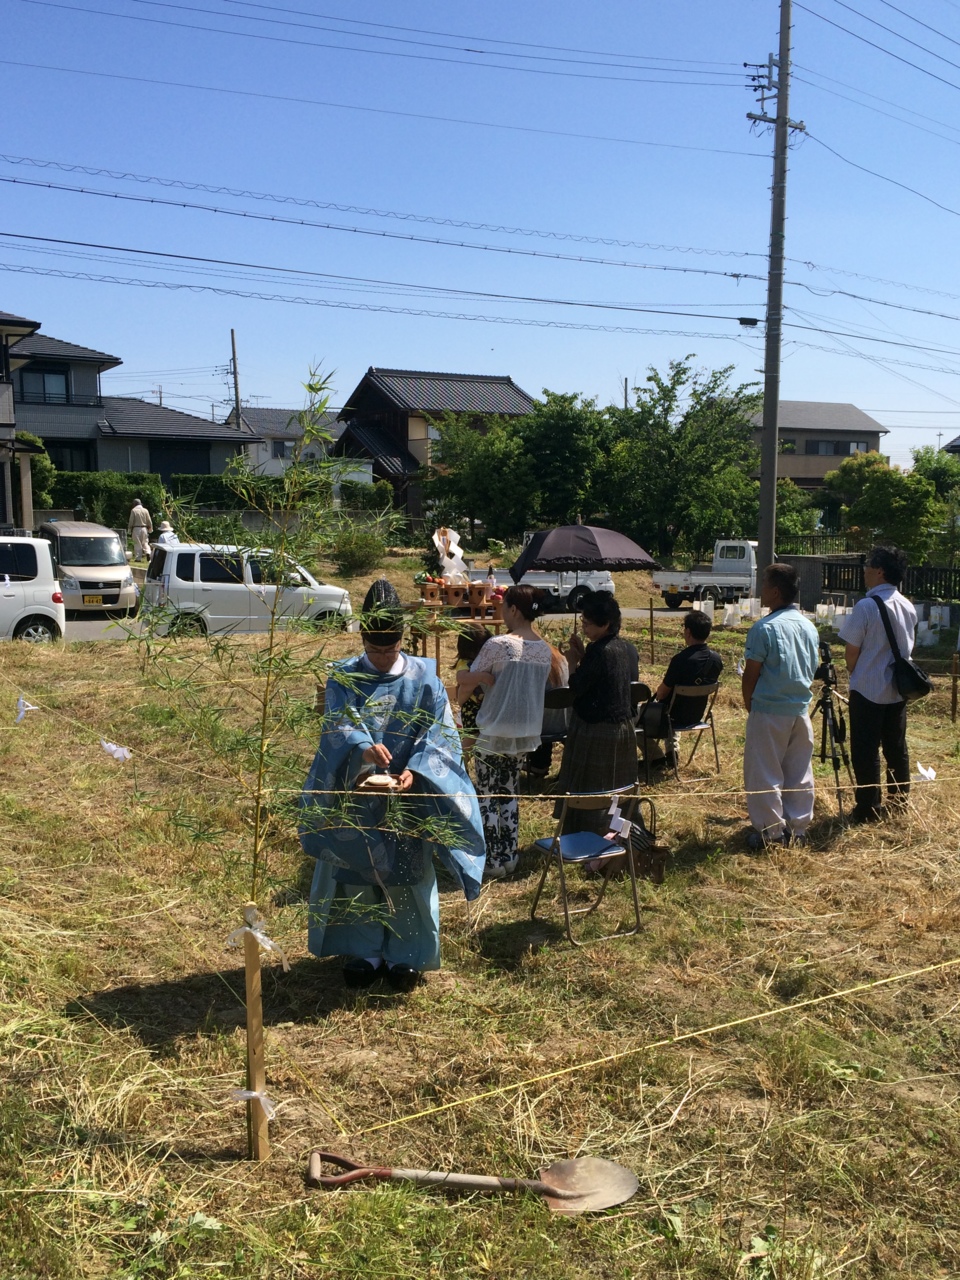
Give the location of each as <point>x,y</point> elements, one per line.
<point>695,664</point>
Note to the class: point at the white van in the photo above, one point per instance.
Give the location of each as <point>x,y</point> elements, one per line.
<point>31,604</point>
<point>92,566</point>
<point>202,589</point>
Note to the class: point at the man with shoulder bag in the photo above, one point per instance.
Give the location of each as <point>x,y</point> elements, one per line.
<point>879,636</point>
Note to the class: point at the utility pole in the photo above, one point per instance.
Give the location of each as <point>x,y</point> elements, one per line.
<point>236,380</point>
<point>626,400</point>
<point>778,87</point>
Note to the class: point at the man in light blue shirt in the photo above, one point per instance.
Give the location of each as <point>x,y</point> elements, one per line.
<point>780,663</point>
<point>878,713</point>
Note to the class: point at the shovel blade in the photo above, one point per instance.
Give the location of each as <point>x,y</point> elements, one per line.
<point>588,1184</point>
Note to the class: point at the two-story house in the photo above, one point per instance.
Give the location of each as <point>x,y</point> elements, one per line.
<point>57,396</point>
<point>389,419</point>
<point>816,435</point>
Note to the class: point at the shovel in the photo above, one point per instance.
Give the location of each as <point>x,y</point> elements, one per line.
<point>583,1185</point>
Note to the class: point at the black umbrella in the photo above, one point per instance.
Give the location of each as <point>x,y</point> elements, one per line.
<point>581,546</point>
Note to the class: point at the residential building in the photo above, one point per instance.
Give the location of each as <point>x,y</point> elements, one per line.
<point>389,419</point>
<point>57,396</point>
<point>816,436</point>
<point>13,329</point>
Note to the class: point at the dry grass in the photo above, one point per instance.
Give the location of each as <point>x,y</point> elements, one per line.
<point>828,1136</point>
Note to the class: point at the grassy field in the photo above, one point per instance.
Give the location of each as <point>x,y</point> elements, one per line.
<point>821,1142</point>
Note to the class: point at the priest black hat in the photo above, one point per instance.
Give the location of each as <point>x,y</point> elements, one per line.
<point>381,622</point>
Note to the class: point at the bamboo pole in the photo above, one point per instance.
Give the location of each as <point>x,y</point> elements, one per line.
<point>653,657</point>
<point>258,1132</point>
<point>955,674</point>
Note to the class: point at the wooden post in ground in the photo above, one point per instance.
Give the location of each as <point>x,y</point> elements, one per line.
<point>653,656</point>
<point>258,1134</point>
<point>955,674</point>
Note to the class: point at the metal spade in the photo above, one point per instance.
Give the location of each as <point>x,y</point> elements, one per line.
<point>584,1185</point>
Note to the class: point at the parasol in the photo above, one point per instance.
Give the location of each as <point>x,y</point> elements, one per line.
<point>581,546</point>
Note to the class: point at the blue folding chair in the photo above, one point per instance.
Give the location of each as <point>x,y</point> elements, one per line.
<point>578,847</point>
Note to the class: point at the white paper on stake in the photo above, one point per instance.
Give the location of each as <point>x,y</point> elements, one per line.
<point>928,775</point>
<point>118,753</point>
<point>248,1095</point>
<point>23,707</point>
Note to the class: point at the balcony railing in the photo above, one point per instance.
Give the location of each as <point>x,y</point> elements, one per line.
<point>38,397</point>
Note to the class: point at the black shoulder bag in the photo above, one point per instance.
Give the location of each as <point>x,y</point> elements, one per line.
<point>912,682</point>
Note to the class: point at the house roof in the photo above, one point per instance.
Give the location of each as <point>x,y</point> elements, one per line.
<point>276,424</point>
<point>12,326</point>
<point>127,416</point>
<point>418,392</point>
<point>823,415</point>
<point>378,444</point>
<point>38,346</point>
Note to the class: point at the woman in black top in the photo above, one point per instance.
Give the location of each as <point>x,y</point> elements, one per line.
<point>600,753</point>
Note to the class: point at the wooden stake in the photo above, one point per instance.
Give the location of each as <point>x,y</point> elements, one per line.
<point>653,658</point>
<point>955,674</point>
<point>258,1134</point>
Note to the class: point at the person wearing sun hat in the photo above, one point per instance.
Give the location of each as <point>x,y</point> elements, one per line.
<point>167,537</point>
<point>374,898</point>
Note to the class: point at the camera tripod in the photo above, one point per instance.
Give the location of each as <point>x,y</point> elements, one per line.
<point>833,727</point>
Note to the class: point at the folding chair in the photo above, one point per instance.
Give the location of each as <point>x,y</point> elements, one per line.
<point>553,700</point>
<point>579,847</point>
<point>703,724</point>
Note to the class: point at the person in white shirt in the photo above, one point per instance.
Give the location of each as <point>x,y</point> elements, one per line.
<point>167,537</point>
<point>878,713</point>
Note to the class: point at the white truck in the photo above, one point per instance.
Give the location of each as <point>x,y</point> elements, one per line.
<point>733,574</point>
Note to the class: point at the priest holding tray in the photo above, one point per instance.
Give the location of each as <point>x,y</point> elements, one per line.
<point>387,791</point>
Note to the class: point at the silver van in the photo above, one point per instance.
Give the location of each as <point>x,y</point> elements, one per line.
<point>31,605</point>
<point>201,589</point>
<point>91,563</point>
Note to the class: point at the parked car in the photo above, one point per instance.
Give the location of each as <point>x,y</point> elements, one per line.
<point>567,589</point>
<point>92,566</point>
<point>31,603</point>
<point>201,589</point>
<point>733,574</point>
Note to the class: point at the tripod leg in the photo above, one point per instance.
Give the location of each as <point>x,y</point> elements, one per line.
<point>835,750</point>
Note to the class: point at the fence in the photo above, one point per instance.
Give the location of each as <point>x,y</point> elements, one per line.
<point>920,583</point>
<point>814,544</point>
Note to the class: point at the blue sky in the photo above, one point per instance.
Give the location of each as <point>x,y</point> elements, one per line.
<point>614,122</point>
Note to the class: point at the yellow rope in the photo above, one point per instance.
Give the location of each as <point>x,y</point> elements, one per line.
<point>658,1044</point>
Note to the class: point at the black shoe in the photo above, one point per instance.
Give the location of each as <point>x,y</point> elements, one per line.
<point>860,817</point>
<point>359,973</point>
<point>402,977</point>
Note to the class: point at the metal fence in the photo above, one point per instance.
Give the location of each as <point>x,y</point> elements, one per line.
<point>813,544</point>
<point>920,583</point>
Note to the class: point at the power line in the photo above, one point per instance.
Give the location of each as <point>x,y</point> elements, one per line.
<point>943,35</point>
<point>327,276</point>
<point>364,211</point>
<point>884,177</point>
<point>886,101</point>
<point>906,61</point>
<point>379,111</point>
<point>890,31</point>
<point>299,42</point>
<point>912,124</point>
<point>453,35</point>
<point>309,26</point>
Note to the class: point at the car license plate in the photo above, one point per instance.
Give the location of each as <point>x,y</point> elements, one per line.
<point>93,599</point>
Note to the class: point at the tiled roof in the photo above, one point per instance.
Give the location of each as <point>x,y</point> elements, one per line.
<point>281,424</point>
<point>126,416</point>
<point>12,325</point>
<point>823,415</point>
<point>379,445</point>
<point>418,392</point>
<point>39,346</point>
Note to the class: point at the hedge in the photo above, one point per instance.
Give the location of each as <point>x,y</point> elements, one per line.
<point>107,496</point>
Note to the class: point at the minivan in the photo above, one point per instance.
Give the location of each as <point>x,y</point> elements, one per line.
<point>204,589</point>
<point>31,605</point>
<point>92,566</point>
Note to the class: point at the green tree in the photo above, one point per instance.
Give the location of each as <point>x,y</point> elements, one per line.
<point>565,436</point>
<point>481,476</point>
<point>679,468</point>
<point>796,514</point>
<point>880,503</point>
<point>844,486</point>
<point>942,469</point>
<point>42,471</point>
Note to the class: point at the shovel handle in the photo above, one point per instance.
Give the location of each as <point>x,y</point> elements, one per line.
<point>424,1178</point>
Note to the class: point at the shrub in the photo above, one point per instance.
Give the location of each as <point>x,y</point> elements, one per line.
<point>107,496</point>
<point>357,550</point>
<point>211,491</point>
<point>42,471</point>
<point>366,497</point>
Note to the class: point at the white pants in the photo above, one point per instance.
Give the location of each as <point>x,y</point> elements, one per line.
<point>141,542</point>
<point>778,772</point>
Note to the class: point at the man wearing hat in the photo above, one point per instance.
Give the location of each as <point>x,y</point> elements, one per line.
<point>374,895</point>
<point>167,537</point>
<point>140,526</point>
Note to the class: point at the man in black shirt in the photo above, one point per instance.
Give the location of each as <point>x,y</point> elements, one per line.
<point>695,664</point>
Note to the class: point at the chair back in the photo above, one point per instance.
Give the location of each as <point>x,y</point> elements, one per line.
<point>557,699</point>
<point>639,692</point>
<point>708,691</point>
<point>595,800</point>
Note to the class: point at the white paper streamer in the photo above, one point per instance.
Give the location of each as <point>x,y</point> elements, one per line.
<point>254,927</point>
<point>23,707</point>
<point>928,775</point>
<point>740,667</point>
<point>118,753</point>
<point>248,1095</point>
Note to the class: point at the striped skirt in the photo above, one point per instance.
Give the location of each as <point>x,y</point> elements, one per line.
<point>596,757</point>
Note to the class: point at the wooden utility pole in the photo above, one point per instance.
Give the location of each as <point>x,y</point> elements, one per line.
<point>769,436</point>
<point>236,379</point>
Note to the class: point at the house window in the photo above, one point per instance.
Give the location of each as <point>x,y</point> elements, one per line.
<point>43,386</point>
<point>283,449</point>
<point>834,448</point>
<point>788,446</point>
<point>70,457</point>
